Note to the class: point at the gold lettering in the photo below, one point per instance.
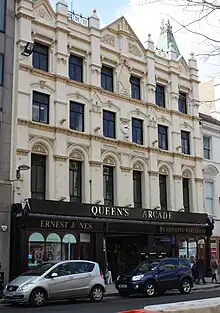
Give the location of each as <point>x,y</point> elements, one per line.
<point>127,212</point>
<point>47,224</point>
<point>150,214</point>
<point>119,211</point>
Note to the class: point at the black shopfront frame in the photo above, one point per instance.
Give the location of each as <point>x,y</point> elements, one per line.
<point>104,224</point>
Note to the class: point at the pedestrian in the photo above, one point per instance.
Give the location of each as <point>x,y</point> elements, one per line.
<point>201,270</point>
<point>195,273</point>
<point>214,266</point>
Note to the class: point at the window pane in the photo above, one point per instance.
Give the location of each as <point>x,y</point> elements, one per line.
<point>40,107</point>
<point>209,197</point>
<point>162,137</point>
<point>163,191</point>
<point>40,56</point>
<point>76,68</point>
<point>75,181</point>
<point>109,124</point>
<point>108,187</point>
<point>38,176</point>
<point>1,68</point>
<point>2,15</point>
<point>135,87</point>
<point>107,78</point>
<point>160,96</point>
<point>77,116</point>
<point>137,131</point>
<point>182,102</point>
<point>137,189</point>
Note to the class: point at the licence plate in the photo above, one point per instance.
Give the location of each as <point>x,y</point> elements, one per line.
<point>122,286</point>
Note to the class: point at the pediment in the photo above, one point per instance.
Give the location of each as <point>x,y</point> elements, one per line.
<point>183,67</point>
<point>43,11</point>
<point>135,47</point>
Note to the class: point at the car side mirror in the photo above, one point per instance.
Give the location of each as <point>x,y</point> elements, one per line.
<point>53,275</point>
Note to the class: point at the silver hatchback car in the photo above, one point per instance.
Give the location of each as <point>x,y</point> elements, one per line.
<point>55,281</point>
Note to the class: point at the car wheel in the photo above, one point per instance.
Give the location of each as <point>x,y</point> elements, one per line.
<point>38,297</point>
<point>149,289</point>
<point>96,294</point>
<point>185,286</point>
<point>123,294</point>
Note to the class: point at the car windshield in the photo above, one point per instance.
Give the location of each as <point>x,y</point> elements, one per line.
<point>39,269</point>
<point>146,266</point>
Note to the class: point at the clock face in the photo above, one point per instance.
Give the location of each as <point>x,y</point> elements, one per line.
<point>125,128</point>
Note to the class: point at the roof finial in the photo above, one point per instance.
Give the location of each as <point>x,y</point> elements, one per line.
<point>168,27</point>
<point>162,26</point>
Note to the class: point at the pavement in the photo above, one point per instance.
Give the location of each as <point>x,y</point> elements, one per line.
<point>113,304</point>
<point>112,292</point>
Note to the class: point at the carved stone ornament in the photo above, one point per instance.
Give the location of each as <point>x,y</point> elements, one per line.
<point>42,13</point>
<point>186,174</point>
<point>133,49</point>
<point>42,84</point>
<point>137,166</point>
<point>39,149</point>
<point>123,90</point>
<point>76,155</point>
<point>163,170</point>
<point>108,161</point>
<point>123,24</point>
<point>108,40</point>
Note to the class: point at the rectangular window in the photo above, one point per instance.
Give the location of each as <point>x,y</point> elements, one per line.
<point>209,197</point>
<point>75,181</point>
<point>160,96</point>
<point>40,107</point>
<point>182,102</point>
<point>207,147</point>
<point>163,137</point>
<point>38,176</point>
<point>77,116</point>
<point>109,124</point>
<point>137,188</point>
<point>76,68</point>
<point>1,69</point>
<point>163,191</point>
<point>186,203</point>
<point>185,142</point>
<point>40,57</point>
<point>135,87</point>
<point>137,131</point>
<point>107,78</point>
<point>108,185</point>
<point>2,15</point>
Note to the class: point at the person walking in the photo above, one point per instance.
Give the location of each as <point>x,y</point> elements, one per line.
<point>214,266</point>
<point>201,270</point>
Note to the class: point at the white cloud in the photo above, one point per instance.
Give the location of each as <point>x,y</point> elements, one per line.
<point>146,18</point>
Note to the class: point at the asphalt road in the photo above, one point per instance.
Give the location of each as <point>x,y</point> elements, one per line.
<point>112,304</point>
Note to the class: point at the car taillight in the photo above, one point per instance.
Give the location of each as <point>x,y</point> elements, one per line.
<point>101,274</point>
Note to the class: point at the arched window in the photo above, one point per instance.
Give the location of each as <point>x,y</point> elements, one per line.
<point>35,249</point>
<point>68,243</point>
<point>53,247</point>
<point>183,248</point>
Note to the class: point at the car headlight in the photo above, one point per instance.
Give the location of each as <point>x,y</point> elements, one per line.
<point>25,287</point>
<point>138,277</point>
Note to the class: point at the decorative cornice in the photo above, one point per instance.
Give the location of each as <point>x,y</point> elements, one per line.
<point>60,158</point>
<point>177,177</point>
<point>125,169</point>
<point>22,152</point>
<point>95,163</point>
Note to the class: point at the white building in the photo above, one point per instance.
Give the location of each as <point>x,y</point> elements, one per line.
<point>211,171</point>
<point>101,119</point>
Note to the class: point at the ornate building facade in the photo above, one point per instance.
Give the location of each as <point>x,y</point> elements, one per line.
<point>103,120</point>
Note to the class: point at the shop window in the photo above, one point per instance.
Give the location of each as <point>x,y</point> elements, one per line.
<point>38,176</point>
<point>163,191</point>
<point>75,181</point>
<point>108,185</point>
<point>183,248</point>
<point>192,247</point>
<point>35,249</point>
<point>53,247</point>
<point>68,243</point>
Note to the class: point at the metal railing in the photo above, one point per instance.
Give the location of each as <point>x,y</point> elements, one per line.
<point>78,18</point>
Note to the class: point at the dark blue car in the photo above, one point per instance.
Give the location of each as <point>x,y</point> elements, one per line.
<point>156,276</point>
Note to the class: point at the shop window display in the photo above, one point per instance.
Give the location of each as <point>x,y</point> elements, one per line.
<point>68,243</point>
<point>53,247</point>
<point>35,249</point>
<point>183,248</point>
<point>192,248</point>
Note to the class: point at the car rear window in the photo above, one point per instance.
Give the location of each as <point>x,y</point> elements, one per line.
<point>84,267</point>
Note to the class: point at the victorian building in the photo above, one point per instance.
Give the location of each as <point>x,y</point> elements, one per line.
<point>7,22</point>
<point>111,132</point>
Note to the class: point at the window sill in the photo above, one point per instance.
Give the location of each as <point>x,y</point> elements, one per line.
<point>38,122</point>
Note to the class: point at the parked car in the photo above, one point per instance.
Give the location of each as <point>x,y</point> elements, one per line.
<point>156,276</point>
<point>57,280</point>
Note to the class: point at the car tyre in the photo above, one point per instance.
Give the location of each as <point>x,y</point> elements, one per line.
<point>38,297</point>
<point>149,289</point>
<point>124,294</point>
<point>96,293</point>
<point>185,286</point>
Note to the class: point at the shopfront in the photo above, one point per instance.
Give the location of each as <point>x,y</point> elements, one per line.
<point>115,236</point>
